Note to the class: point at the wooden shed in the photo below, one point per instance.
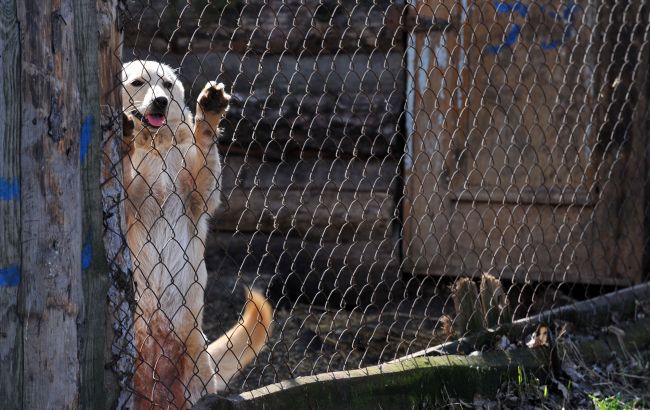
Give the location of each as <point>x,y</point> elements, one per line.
<point>529,147</point>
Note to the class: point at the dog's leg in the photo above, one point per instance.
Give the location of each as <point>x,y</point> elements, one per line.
<point>128,147</point>
<point>205,168</point>
<point>210,109</point>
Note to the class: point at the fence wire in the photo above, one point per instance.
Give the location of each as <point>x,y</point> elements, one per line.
<point>372,154</point>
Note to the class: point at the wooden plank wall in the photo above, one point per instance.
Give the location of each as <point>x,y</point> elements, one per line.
<point>525,153</point>
<point>53,271</point>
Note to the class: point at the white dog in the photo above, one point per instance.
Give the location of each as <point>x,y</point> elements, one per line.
<point>170,172</point>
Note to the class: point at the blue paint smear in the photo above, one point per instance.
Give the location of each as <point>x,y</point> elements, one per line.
<point>9,190</point>
<point>509,40</point>
<point>567,14</point>
<point>86,255</point>
<point>518,7</point>
<point>9,276</point>
<point>551,45</point>
<point>502,7</point>
<point>84,138</point>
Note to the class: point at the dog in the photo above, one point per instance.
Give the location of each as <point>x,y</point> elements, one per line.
<point>171,169</point>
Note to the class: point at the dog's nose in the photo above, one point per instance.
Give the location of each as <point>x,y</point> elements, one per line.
<point>160,103</point>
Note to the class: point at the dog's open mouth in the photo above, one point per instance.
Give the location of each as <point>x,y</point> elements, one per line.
<point>155,120</point>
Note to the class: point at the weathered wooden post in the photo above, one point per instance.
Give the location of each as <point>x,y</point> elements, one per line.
<point>54,279</point>
<point>42,263</point>
<point>10,244</point>
<point>120,342</point>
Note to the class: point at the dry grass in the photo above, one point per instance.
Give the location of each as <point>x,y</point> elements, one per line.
<point>617,382</point>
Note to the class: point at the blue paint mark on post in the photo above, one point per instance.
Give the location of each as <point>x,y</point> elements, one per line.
<point>10,276</point>
<point>568,12</point>
<point>517,7</point>
<point>553,44</point>
<point>509,40</point>
<point>84,137</point>
<point>9,189</point>
<point>86,255</point>
<point>566,15</point>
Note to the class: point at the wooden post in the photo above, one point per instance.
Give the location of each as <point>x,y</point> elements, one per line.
<point>96,378</point>
<point>10,327</point>
<point>54,278</point>
<point>50,294</point>
<point>120,292</point>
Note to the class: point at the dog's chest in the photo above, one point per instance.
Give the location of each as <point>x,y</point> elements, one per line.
<point>168,243</point>
<point>161,183</point>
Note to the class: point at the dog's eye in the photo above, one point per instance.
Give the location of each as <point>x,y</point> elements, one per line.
<point>168,85</point>
<point>137,83</point>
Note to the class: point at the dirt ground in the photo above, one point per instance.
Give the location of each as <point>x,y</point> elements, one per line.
<point>309,339</point>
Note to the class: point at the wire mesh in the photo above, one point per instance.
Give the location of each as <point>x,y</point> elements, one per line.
<point>372,153</point>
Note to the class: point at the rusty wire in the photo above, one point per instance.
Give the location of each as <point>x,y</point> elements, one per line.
<point>374,151</point>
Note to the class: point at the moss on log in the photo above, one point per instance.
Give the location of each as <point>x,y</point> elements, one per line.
<point>423,382</point>
<point>411,384</point>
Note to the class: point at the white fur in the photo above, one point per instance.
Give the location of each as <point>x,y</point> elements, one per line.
<point>154,75</point>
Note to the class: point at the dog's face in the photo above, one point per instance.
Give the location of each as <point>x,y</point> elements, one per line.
<point>153,95</point>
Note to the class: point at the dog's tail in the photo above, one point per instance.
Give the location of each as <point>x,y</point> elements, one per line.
<point>240,345</point>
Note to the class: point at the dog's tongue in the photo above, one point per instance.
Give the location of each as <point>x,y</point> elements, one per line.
<point>155,120</point>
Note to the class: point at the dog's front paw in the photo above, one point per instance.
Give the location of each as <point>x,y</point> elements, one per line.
<point>213,98</point>
<point>127,126</point>
<point>128,138</point>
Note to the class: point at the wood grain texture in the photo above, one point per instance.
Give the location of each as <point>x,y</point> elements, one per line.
<point>310,28</point>
<point>346,199</point>
<point>50,297</point>
<point>623,136</point>
<point>526,151</point>
<point>94,317</point>
<point>10,327</point>
<point>434,117</point>
<point>343,174</point>
<point>329,215</point>
<point>120,291</point>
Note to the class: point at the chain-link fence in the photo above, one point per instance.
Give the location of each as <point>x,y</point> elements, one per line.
<point>372,152</point>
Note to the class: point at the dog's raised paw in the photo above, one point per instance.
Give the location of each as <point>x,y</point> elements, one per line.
<point>213,98</point>
<point>127,125</point>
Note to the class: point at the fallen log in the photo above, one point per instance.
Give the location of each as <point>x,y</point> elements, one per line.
<point>591,312</point>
